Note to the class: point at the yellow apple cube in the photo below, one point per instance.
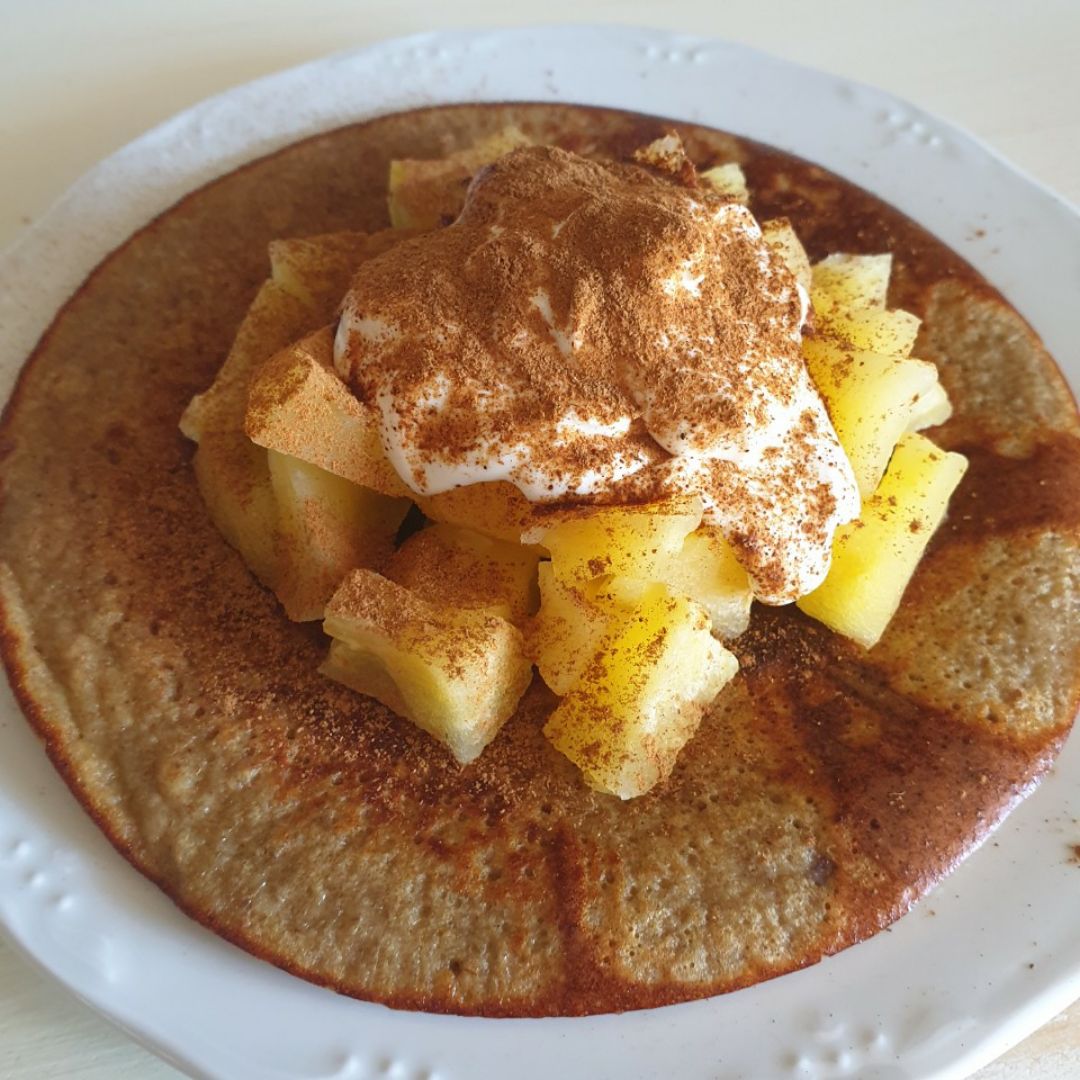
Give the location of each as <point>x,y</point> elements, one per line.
<point>871,399</point>
<point>566,632</point>
<point>326,527</point>
<point>234,482</point>
<point>496,509</point>
<point>626,541</point>
<point>707,571</point>
<point>456,674</point>
<point>874,558</point>
<point>297,405</point>
<point>727,180</point>
<point>667,155</point>
<point>642,695</point>
<point>892,333</point>
<point>460,568</point>
<point>781,237</point>
<point>425,194</point>
<point>232,472</point>
<point>933,408</point>
<point>845,283</point>
<point>317,270</point>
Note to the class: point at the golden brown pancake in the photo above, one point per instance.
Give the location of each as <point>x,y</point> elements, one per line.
<point>826,791</point>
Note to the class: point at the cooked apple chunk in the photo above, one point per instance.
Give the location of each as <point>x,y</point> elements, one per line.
<point>781,237</point>
<point>843,283</point>
<point>566,632</point>
<point>707,571</point>
<point>875,557</point>
<point>232,472</point>
<point>624,541</point>
<point>457,674</point>
<point>425,194</point>
<point>317,270</point>
<point>860,360</point>
<point>298,406</point>
<point>727,180</point>
<point>234,481</point>
<point>458,567</point>
<point>871,399</point>
<point>642,695</point>
<point>891,333</point>
<point>326,526</point>
<point>298,528</point>
<point>933,408</point>
<point>496,509</point>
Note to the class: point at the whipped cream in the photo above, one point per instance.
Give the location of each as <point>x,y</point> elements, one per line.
<point>592,333</point>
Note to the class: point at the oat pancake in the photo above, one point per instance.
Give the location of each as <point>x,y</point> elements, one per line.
<point>826,791</point>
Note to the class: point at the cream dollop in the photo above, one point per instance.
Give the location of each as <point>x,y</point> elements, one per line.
<point>592,332</point>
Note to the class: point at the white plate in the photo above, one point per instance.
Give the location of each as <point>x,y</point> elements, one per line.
<point>989,956</point>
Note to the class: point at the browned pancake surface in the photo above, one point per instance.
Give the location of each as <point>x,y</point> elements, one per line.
<point>826,791</point>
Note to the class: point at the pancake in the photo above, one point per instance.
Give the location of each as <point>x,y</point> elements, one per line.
<point>827,789</point>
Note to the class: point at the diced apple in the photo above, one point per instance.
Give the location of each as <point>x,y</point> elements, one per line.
<point>727,180</point>
<point>642,695</point>
<point>327,526</point>
<point>458,675</point>
<point>845,283</point>
<point>234,482</point>
<point>232,472</point>
<point>317,270</point>
<point>871,399</point>
<point>425,194</point>
<point>892,333</point>
<point>875,557</point>
<point>274,319</point>
<point>667,155</point>
<point>566,632</point>
<point>460,568</point>
<point>496,509</point>
<point>707,571</point>
<point>626,541</point>
<point>299,406</point>
<point>933,408</point>
<point>781,237</point>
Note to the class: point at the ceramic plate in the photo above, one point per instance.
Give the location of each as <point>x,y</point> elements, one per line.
<point>982,961</point>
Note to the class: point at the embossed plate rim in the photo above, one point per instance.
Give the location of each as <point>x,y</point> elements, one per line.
<point>959,988</point>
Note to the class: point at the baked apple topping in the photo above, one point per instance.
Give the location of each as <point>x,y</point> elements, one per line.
<point>592,388</point>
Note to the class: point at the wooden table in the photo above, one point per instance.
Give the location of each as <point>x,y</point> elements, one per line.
<point>78,80</point>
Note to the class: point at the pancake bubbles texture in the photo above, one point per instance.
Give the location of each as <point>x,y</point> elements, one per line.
<point>827,789</point>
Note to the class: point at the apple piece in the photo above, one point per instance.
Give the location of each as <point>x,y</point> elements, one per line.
<point>567,630</point>
<point>232,473</point>
<point>841,283</point>
<point>727,180</point>
<point>317,270</point>
<point>891,333</point>
<point>461,568</point>
<point>458,675</point>
<point>297,405</point>
<point>496,509</point>
<point>707,571</point>
<point>425,194</point>
<point>624,541</point>
<point>871,399</point>
<point>326,526</point>
<point>933,408</point>
<point>781,237</point>
<point>641,697</point>
<point>667,155</point>
<point>875,557</point>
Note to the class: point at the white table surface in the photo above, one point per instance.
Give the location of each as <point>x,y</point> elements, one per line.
<point>79,79</point>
